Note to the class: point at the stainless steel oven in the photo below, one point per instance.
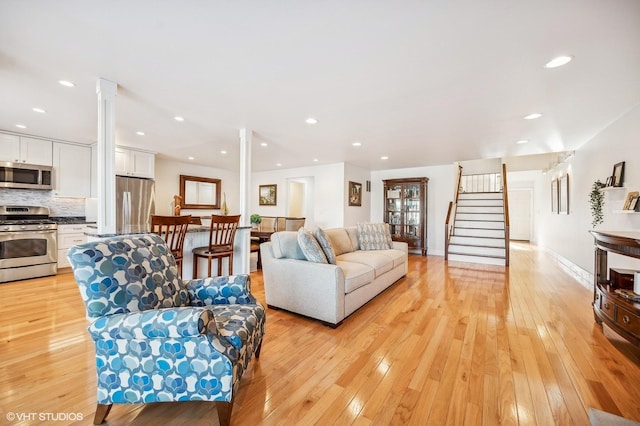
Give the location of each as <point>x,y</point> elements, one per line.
<point>28,243</point>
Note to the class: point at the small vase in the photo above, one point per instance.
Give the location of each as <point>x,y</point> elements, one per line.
<point>224,210</point>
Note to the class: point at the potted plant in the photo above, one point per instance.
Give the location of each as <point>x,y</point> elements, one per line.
<point>255,220</point>
<point>596,201</point>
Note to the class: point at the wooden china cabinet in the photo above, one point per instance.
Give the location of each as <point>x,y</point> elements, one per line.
<point>612,305</point>
<point>405,210</point>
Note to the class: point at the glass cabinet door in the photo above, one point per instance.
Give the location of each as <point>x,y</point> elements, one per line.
<point>405,211</point>
<point>394,210</point>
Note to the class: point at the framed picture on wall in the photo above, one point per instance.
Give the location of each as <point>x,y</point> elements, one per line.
<point>563,206</point>
<point>618,174</point>
<point>631,201</point>
<point>355,194</point>
<point>268,195</point>
<point>554,196</point>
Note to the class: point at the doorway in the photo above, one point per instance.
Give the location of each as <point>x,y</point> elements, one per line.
<point>300,198</point>
<point>520,204</point>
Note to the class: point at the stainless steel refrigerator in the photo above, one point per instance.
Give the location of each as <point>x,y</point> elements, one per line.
<point>135,203</point>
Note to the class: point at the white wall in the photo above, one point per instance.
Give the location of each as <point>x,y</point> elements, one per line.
<point>439,194</point>
<point>328,193</point>
<point>567,235</point>
<point>354,214</point>
<point>168,184</point>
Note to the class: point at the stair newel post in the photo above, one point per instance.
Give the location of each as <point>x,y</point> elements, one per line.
<point>505,197</point>
<point>451,213</point>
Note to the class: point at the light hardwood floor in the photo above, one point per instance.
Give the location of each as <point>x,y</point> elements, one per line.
<point>448,344</point>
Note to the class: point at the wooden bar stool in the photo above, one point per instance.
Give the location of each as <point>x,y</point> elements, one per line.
<point>221,236</point>
<point>173,230</point>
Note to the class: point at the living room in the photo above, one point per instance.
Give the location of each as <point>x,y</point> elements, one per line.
<point>448,343</point>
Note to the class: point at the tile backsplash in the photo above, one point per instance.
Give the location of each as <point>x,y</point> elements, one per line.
<point>32,197</point>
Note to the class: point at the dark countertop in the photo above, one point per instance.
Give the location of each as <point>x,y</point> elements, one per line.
<point>69,220</point>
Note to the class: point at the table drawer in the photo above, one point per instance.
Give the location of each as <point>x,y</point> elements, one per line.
<point>629,321</point>
<point>607,306</point>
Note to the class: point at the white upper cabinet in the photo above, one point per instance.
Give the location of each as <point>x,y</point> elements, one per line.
<point>130,162</point>
<point>21,149</point>
<point>71,170</point>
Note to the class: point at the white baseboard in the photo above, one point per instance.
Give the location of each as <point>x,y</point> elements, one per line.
<point>583,277</point>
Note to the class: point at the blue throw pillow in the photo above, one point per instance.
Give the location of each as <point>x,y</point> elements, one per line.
<point>310,247</point>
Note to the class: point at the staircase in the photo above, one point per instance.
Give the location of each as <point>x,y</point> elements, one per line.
<point>478,230</point>
<point>477,225</point>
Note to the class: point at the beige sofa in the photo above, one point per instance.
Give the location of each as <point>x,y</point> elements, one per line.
<point>328,292</point>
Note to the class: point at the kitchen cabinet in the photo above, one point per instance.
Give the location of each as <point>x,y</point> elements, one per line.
<point>405,210</point>
<point>71,170</point>
<point>22,149</point>
<point>68,236</point>
<point>134,163</point>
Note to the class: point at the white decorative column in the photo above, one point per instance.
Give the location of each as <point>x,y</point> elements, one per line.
<point>106,91</point>
<point>246,136</point>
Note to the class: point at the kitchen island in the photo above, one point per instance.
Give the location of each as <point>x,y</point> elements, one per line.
<point>197,236</point>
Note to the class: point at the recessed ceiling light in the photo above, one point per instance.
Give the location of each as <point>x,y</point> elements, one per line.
<point>279,164</point>
<point>384,157</point>
<point>315,160</point>
<point>66,83</point>
<point>263,144</point>
<point>558,62</point>
<point>177,118</point>
<point>356,144</point>
<point>533,116</point>
<point>311,120</point>
<point>191,158</point>
<point>140,133</point>
<point>21,126</point>
<point>522,141</point>
<point>223,152</point>
<point>40,110</point>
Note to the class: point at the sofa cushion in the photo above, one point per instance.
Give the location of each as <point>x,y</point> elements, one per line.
<point>379,262</point>
<point>398,256</point>
<point>325,244</point>
<point>284,245</point>
<point>310,247</point>
<point>356,275</point>
<point>374,236</point>
<point>340,240</point>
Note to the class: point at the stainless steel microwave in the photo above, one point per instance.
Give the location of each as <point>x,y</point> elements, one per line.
<point>26,176</point>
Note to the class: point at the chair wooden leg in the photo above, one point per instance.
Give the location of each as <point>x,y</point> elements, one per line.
<point>210,260</point>
<point>231,265</point>
<point>195,266</point>
<point>224,412</point>
<point>219,260</point>
<point>257,352</point>
<point>102,410</point>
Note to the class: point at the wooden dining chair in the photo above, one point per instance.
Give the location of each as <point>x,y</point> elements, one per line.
<point>221,235</point>
<point>172,229</point>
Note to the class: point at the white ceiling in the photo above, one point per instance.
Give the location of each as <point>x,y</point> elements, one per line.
<point>422,82</point>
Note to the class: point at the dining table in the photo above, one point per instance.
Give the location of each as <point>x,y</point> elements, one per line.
<point>262,236</point>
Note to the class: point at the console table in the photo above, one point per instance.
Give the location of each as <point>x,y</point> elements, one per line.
<point>620,314</point>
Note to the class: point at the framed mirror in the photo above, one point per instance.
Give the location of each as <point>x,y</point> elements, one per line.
<point>199,192</point>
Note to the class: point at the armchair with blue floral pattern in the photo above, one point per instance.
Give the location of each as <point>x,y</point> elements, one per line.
<point>158,338</point>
